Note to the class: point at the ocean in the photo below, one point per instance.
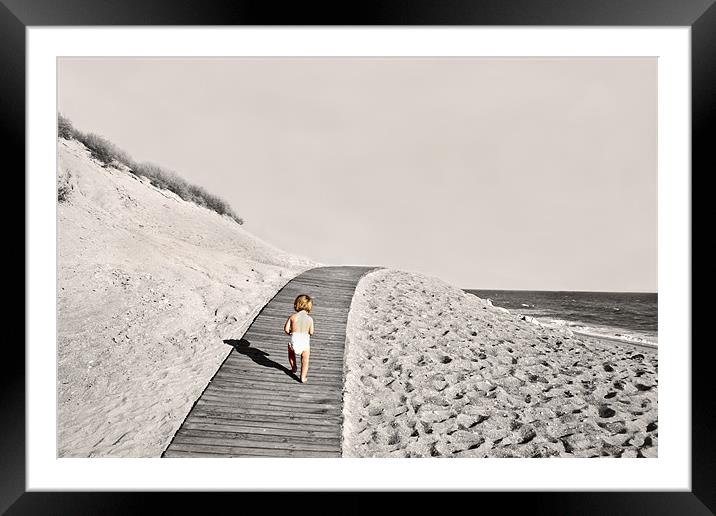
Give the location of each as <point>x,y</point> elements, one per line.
<point>628,317</point>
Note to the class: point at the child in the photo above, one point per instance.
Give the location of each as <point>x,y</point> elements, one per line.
<point>300,327</point>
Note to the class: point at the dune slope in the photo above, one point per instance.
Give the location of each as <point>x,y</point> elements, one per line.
<point>148,287</point>
<point>433,371</point>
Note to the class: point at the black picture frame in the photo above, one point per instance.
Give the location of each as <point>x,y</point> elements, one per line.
<point>17,15</point>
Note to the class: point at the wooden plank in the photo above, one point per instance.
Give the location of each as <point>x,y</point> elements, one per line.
<point>223,443</point>
<point>317,379</point>
<point>187,450</point>
<point>245,399</point>
<point>277,388</point>
<point>242,414</point>
<point>269,397</point>
<point>273,409</point>
<point>256,374</point>
<point>290,385</point>
<point>243,370</point>
<point>239,413</point>
<point>279,355</point>
<point>231,381</point>
<point>267,430</point>
<point>259,427</point>
<point>235,408</point>
<point>255,436</point>
<point>256,399</point>
<point>253,407</point>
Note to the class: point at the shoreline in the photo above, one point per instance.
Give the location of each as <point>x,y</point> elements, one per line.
<point>646,347</point>
<point>640,338</point>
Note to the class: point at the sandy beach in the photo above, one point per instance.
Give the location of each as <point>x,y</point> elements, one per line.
<point>431,371</point>
<point>148,286</point>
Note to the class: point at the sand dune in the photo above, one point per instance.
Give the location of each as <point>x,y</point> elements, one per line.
<point>433,371</point>
<point>148,287</point>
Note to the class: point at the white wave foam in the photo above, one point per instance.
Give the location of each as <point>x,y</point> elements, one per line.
<point>604,332</point>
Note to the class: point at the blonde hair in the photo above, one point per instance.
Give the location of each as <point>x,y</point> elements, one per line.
<point>303,302</point>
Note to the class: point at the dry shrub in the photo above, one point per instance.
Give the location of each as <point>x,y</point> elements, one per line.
<point>109,154</point>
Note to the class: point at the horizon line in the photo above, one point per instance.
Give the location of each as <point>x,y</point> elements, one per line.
<point>582,291</point>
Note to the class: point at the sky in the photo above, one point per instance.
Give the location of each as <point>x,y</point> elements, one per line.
<point>490,173</point>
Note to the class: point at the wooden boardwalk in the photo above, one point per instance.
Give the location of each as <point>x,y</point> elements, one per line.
<point>254,406</point>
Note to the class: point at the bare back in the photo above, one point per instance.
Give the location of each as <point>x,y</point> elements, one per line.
<point>301,322</point>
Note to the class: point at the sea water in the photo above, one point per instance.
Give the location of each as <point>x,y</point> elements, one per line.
<point>628,317</point>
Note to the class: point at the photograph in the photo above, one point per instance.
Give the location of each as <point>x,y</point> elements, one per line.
<point>357,257</point>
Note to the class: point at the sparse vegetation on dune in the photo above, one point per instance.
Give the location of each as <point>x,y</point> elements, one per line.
<point>108,153</point>
<point>64,187</point>
<point>169,180</point>
<point>64,128</point>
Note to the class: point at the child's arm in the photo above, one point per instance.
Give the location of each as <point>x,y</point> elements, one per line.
<point>310,328</point>
<point>287,327</point>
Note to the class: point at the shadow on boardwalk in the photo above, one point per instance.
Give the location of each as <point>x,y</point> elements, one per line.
<point>259,357</point>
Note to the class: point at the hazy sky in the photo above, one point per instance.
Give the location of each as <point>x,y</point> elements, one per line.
<point>520,173</point>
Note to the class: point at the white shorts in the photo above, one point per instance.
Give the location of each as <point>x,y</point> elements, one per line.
<point>300,342</point>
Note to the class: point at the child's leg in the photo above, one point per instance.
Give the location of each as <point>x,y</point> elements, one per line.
<point>291,358</point>
<point>304,364</point>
